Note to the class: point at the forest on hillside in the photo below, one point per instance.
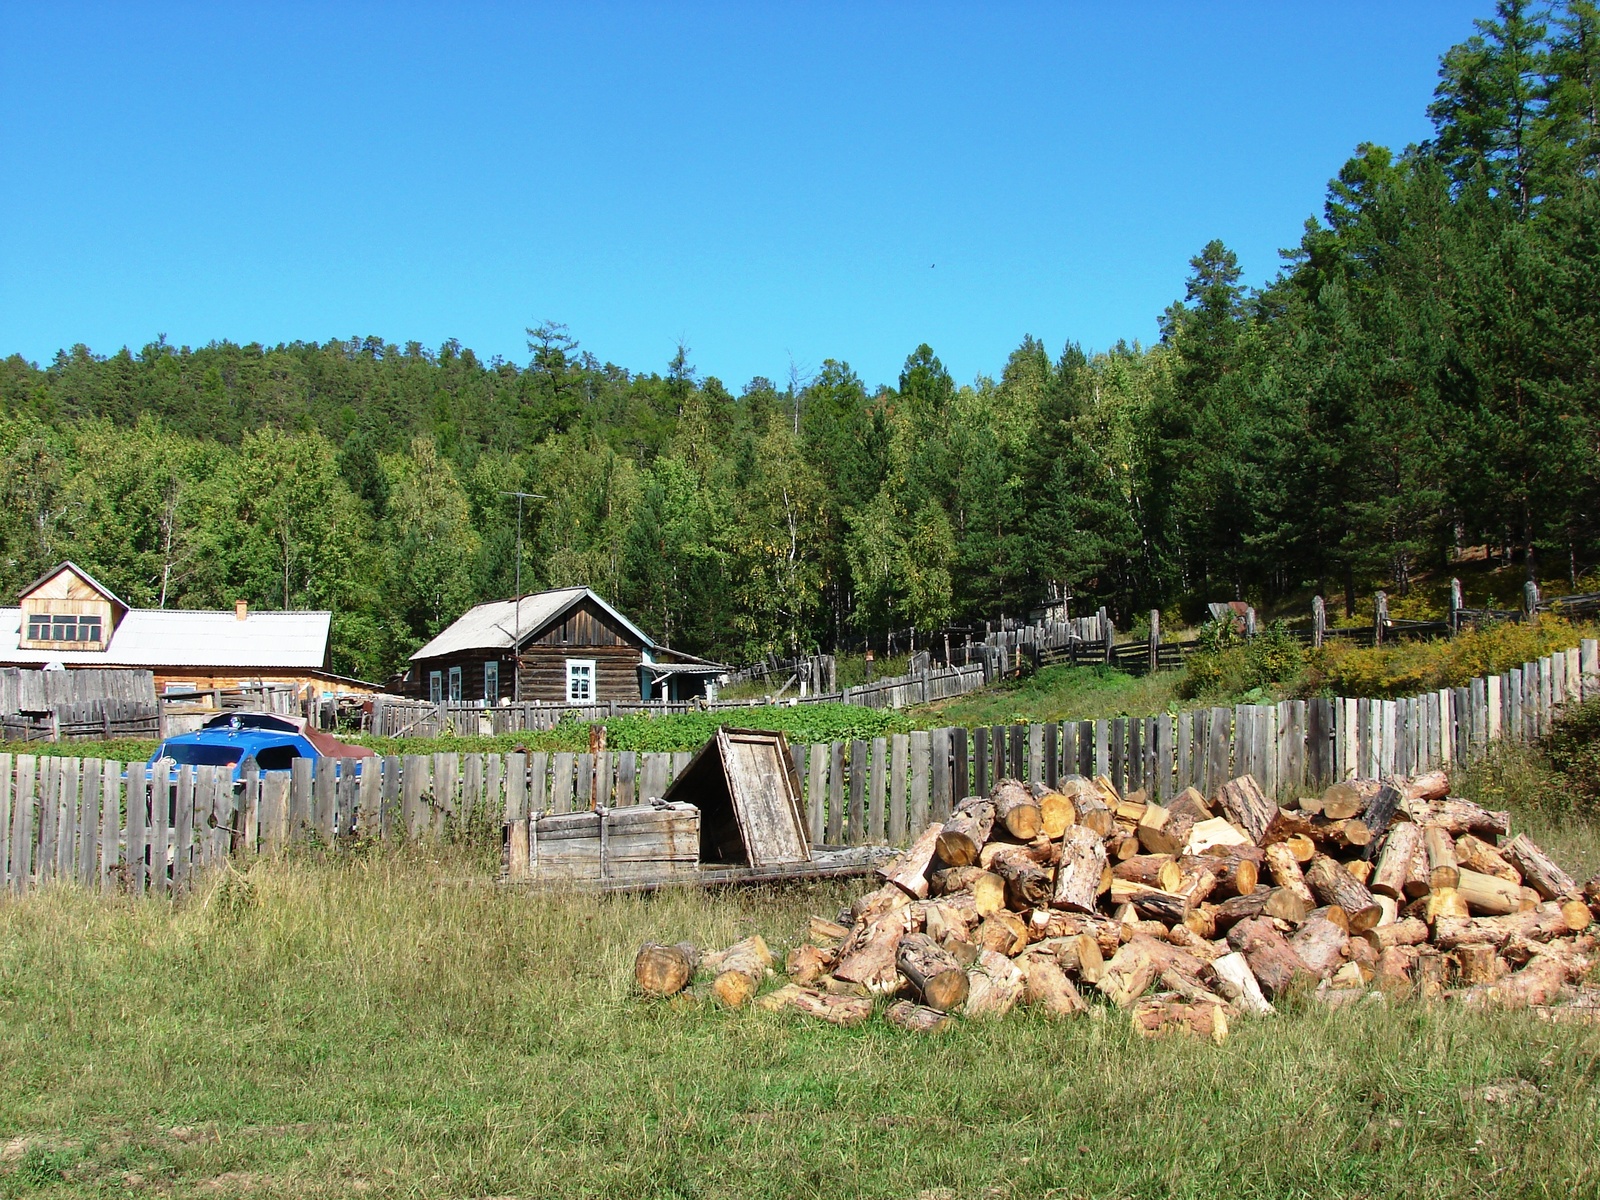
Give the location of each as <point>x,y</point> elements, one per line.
<point>1419,376</point>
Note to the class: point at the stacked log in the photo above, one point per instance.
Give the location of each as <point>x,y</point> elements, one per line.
<point>1184,916</point>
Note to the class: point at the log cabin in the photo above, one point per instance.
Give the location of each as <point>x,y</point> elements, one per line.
<point>565,646</point>
<point>68,618</point>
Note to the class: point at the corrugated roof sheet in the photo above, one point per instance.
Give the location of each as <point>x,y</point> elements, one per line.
<point>149,637</point>
<point>501,624</point>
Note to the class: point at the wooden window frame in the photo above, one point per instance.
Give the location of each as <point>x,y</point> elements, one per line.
<point>491,695</point>
<point>435,687</point>
<point>593,677</point>
<point>455,684</point>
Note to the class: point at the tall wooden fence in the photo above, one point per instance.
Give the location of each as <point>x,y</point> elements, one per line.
<point>139,828</point>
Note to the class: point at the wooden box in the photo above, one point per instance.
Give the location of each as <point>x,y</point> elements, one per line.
<point>643,843</point>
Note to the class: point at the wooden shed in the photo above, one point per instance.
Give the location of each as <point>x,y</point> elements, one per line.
<point>744,783</point>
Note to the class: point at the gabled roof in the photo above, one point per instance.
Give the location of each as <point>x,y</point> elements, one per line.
<point>69,565</point>
<point>504,624</point>
<point>173,637</point>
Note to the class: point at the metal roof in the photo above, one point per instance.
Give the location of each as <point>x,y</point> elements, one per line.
<point>175,637</point>
<point>502,624</point>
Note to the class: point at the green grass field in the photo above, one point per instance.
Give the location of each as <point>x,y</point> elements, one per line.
<point>396,1025</point>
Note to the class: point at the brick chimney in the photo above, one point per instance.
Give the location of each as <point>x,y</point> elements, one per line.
<point>241,610</point>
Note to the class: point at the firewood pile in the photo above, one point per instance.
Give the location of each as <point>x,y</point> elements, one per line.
<point>1186,916</point>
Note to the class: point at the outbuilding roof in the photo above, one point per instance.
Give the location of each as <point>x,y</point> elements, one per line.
<point>504,624</point>
<point>173,637</point>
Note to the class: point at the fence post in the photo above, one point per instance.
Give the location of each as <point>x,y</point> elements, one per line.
<point>1155,640</point>
<point>1380,617</point>
<point>1456,606</point>
<point>1319,621</point>
<point>1249,621</point>
<point>1530,601</point>
<point>1108,635</point>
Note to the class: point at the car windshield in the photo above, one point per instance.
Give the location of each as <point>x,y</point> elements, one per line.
<point>193,754</point>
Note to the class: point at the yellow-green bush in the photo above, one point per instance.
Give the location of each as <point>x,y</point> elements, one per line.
<point>1406,668</point>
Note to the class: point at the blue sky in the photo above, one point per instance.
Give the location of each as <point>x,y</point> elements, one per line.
<point>770,183</point>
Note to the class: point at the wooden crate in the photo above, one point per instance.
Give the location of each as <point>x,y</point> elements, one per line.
<point>642,843</point>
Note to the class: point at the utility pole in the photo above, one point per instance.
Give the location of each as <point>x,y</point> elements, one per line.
<point>516,624</point>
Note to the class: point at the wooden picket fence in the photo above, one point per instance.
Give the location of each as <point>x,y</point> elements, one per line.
<point>139,829</point>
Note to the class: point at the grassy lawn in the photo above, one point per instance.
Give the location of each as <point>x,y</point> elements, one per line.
<point>397,1026</point>
<point>1056,694</point>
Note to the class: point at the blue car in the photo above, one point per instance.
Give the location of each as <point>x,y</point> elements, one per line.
<point>273,740</point>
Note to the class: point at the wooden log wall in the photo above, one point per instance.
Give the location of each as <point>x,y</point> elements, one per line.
<point>103,824</point>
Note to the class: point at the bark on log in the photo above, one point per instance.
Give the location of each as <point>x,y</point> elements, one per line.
<point>868,957</point>
<point>1396,863</point>
<point>664,970</point>
<point>1332,884</point>
<point>1246,806</point>
<point>743,966</point>
<point>1129,974</point>
<point>933,973</point>
<point>1106,931</point>
<point>1238,873</point>
<point>1003,932</point>
<point>1459,816</point>
<point>1406,932</point>
<point>909,872</point>
<point>1542,924</point>
<point>1015,809</point>
<point>966,832</point>
<point>1191,803</point>
<point>1276,965</point>
<point>1169,908</point>
<point>1381,809</point>
<point>825,933</point>
<point>1083,860</point>
<point>1152,870</point>
<point>1320,944</point>
<point>1232,978</point>
<point>1539,871</point>
<point>1027,883</point>
<point>876,903</point>
<point>1441,850</point>
<point>1393,970</point>
<point>1230,912</point>
<point>836,1010</point>
<point>1196,880</point>
<point>1476,964</point>
<point>1168,835</point>
<point>995,985</point>
<point>1431,785</point>
<point>1350,834</point>
<point>1046,986</point>
<point>1540,982</point>
<point>1157,1016</point>
<point>917,1018</point>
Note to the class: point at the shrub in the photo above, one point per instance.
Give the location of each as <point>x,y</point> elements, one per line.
<point>1406,668</point>
<point>1226,662</point>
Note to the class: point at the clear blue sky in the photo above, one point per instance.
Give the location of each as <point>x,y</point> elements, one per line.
<point>767,182</point>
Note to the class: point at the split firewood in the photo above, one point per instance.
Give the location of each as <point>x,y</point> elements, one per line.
<point>1478,855</point>
<point>1202,945</point>
<point>807,964</point>
<point>875,903</point>
<point>1176,969</point>
<point>1055,811</point>
<point>1359,951</point>
<point>1330,883</point>
<point>1107,932</point>
<point>1441,850</point>
<point>1539,871</point>
<point>1540,982</point>
<point>1196,880</point>
<point>1230,912</point>
<point>1191,803</point>
<point>1152,870</point>
<point>778,999</point>
<point>994,986</point>
<point>1129,974</point>
<point>1243,802</point>
<point>1381,809</point>
<point>1544,923</point>
<point>1015,809</point>
<point>1444,902</point>
<point>1286,873</point>
<point>1046,986</point>
<point>1341,801</point>
<point>1231,977</point>
<point>916,1017</point>
<point>1458,816</point>
<point>1003,932</point>
<point>1407,932</point>
<point>1491,896</point>
<point>1080,955</point>
<point>1216,831</point>
<point>1302,847</point>
<point>1393,970</point>
<point>1360,869</point>
<point>1027,883</point>
<point>868,958</point>
<point>947,918</point>
<point>966,832</point>
<point>1083,860</point>
<point>1431,972</point>
<point>936,978</point>
<point>1157,1016</point>
<point>1273,960</point>
<point>1122,846</point>
<point>1349,834</point>
<point>909,871</point>
<point>1287,904</point>
<point>1320,943</point>
<point>664,970</point>
<point>744,965</point>
<point>825,933</point>
<point>1288,824</point>
<point>1396,872</point>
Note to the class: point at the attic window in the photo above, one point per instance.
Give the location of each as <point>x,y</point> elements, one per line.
<point>63,627</point>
